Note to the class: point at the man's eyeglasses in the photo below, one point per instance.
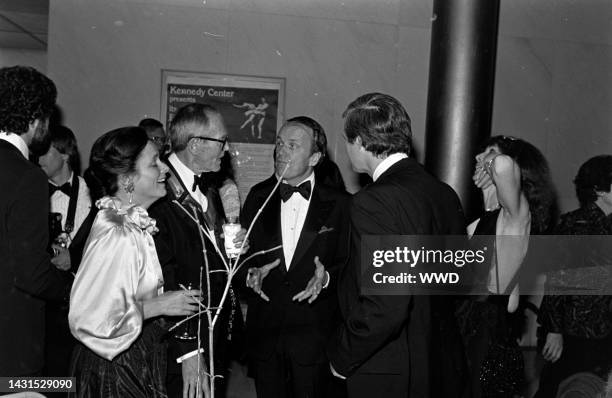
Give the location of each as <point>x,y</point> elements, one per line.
<point>223,141</point>
<point>159,140</point>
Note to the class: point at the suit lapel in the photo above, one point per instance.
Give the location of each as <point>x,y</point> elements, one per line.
<point>318,210</point>
<point>271,220</point>
<point>178,191</point>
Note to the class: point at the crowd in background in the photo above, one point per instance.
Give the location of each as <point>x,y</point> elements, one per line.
<point>97,270</point>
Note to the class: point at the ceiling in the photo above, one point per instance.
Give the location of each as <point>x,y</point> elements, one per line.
<point>23,24</point>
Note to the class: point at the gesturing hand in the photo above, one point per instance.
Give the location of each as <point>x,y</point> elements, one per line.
<point>315,284</point>
<point>256,276</point>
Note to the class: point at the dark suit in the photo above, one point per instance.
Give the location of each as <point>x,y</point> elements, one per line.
<point>385,344</point>
<point>180,254</point>
<point>297,331</point>
<point>27,276</point>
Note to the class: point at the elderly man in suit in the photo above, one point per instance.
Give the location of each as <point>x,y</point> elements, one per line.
<point>27,276</point>
<point>387,344</point>
<point>291,316</point>
<point>199,141</point>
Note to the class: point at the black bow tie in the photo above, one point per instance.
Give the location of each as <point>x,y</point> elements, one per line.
<point>65,188</point>
<point>203,181</point>
<point>287,190</point>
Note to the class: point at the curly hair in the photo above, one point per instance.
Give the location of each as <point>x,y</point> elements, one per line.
<point>595,175</point>
<point>113,154</point>
<point>536,181</point>
<point>381,122</point>
<point>26,95</point>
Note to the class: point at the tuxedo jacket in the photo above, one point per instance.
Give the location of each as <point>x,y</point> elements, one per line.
<point>179,249</point>
<point>304,327</point>
<point>389,334</point>
<point>27,276</point>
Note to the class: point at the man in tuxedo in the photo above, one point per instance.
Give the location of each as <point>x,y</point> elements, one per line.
<point>388,344</point>
<point>291,315</point>
<point>27,277</point>
<point>199,141</point>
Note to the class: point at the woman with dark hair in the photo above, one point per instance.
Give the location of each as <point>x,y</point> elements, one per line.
<point>519,200</point>
<point>118,290</point>
<point>576,332</point>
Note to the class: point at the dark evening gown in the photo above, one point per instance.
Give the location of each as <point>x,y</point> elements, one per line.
<point>490,334</point>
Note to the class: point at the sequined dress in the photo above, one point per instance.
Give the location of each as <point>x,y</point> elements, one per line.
<point>490,336</point>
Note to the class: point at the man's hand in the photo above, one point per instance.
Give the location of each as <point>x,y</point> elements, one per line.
<point>256,276</point>
<point>190,378</point>
<point>336,374</point>
<point>553,347</point>
<point>240,237</point>
<point>315,284</point>
<point>61,260</point>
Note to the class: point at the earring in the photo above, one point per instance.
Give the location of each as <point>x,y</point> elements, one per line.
<point>128,187</point>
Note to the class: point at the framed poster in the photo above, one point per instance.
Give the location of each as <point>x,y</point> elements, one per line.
<point>252,108</point>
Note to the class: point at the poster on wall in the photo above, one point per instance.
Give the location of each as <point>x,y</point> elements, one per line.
<point>252,108</point>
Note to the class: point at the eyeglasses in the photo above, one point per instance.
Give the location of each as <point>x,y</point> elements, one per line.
<point>223,141</point>
<point>158,140</point>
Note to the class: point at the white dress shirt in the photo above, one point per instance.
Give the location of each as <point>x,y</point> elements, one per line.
<point>60,201</point>
<point>387,163</point>
<point>293,215</point>
<point>17,142</point>
<point>187,177</point>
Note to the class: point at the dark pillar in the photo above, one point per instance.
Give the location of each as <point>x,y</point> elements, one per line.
<point>460,94</point>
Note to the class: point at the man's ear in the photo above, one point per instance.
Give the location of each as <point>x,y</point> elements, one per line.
<point>314,159</point>
<point>32,127</point>
<point>359,143</point>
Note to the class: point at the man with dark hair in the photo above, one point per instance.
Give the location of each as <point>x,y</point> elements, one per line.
<point>69,195</point>
<point>292,314</point>
<point>384,347</point>
<point>199,141</point>
<point>155,132</point>
<point>576,332</point>
<point>69,206</point>
<point>27,277</point>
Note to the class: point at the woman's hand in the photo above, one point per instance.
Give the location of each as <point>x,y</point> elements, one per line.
<point>173,303</point>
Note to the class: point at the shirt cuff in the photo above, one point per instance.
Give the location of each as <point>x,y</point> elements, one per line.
<point>189,355</point>
<point>328,279</point>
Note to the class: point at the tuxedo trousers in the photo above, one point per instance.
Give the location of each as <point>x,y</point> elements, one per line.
<point>282,376</point>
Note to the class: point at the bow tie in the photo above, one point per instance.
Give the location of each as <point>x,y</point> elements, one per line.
<point>65,188</point>
<point>203,181</point>
<point>286,190</point>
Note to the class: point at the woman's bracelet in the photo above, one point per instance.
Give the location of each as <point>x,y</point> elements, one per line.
<point>489,164</point>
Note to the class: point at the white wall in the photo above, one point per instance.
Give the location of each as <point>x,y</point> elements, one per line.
<point>15,56</point>
<point>553,80</point>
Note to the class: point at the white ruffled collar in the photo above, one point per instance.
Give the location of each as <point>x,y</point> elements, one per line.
<point>135,213</point>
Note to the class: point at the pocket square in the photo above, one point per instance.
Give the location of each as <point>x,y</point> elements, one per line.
<point>325,229</point>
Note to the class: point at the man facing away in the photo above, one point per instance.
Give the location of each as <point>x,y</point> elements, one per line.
<point>291,315</point>
<point>27,277</point>
<point>387,344</point>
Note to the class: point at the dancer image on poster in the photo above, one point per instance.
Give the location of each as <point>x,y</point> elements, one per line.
<point>252,112</point>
